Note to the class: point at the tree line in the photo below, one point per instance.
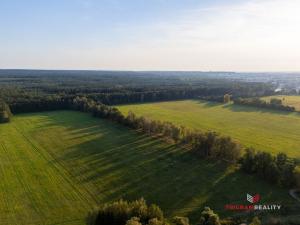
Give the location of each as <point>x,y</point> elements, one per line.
<point>140,213</point>
<point>141,96</point>
<point>257,102</point>
<point>278,169</point>
<point>26,101</point>
<point>85,82</point>
<point>19,87</point>
<point>39,104</point>
<point>207,145</point>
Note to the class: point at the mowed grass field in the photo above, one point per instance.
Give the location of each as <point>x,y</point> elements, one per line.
<point>263,129</point>
<point>56,166</point>
<point>290,100</point>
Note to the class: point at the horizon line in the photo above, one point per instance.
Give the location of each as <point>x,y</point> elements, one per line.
<point>136,70</point>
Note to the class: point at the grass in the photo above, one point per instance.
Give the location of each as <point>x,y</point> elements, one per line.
<point>56,166</point>
<point>290,100</point>
<point>268,130</point>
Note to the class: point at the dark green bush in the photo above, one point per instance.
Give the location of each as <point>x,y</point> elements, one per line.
<point>275,169</point>
<point>124,212</point>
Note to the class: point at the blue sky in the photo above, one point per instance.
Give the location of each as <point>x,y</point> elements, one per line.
<point>62,20</point>
<point>240,35</point>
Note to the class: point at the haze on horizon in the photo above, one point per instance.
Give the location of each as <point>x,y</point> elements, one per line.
<point>210,35</point>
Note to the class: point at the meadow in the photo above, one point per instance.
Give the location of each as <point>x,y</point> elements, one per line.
<point>290,100</point>
<point>264,129</point>
<point>57,166</point>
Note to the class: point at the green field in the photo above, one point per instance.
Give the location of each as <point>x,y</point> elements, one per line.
<point>268,130</point>
<point>56,166</point>
<point>290,100</point>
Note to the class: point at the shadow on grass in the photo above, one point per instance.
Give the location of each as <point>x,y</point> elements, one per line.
<point>208,104</point>
<point>119,163</point>
<point>242,108</point>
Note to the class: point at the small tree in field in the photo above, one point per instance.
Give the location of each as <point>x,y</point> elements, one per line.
<point>227,98</point>
<point>127,213</point>
<point>177,220</point>
<point>133,221</point>
<point>5,113</point>
<point>276,101</point>
<point>208,217</point>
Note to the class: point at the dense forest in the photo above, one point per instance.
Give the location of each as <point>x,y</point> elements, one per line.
<point>18,87</point>
<point>95,91</point>
<point>279,170</point>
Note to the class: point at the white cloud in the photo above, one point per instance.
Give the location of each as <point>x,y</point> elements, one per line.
<point>254,35</point>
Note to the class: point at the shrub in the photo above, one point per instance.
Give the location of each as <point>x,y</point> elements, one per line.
<point>127,213</point>
<point>275,169</point>
<point>5,113</point>
<point>208,217</point>
<point>177,220</point>
<point>133,221</point>
<point>227,98</point>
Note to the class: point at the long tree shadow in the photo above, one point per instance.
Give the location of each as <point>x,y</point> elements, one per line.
<point>244,108</point>
<point>114,162</point>
<point>208,104</point>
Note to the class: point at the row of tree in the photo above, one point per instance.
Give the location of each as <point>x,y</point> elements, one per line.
<point>272,104</point>
<point>5,113</point>
<point>206,145</point>
<point>277,169</point>
<point>139,213</point>
<point>149,95</point>
<point>40,103</point>
<point>116,87</point>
